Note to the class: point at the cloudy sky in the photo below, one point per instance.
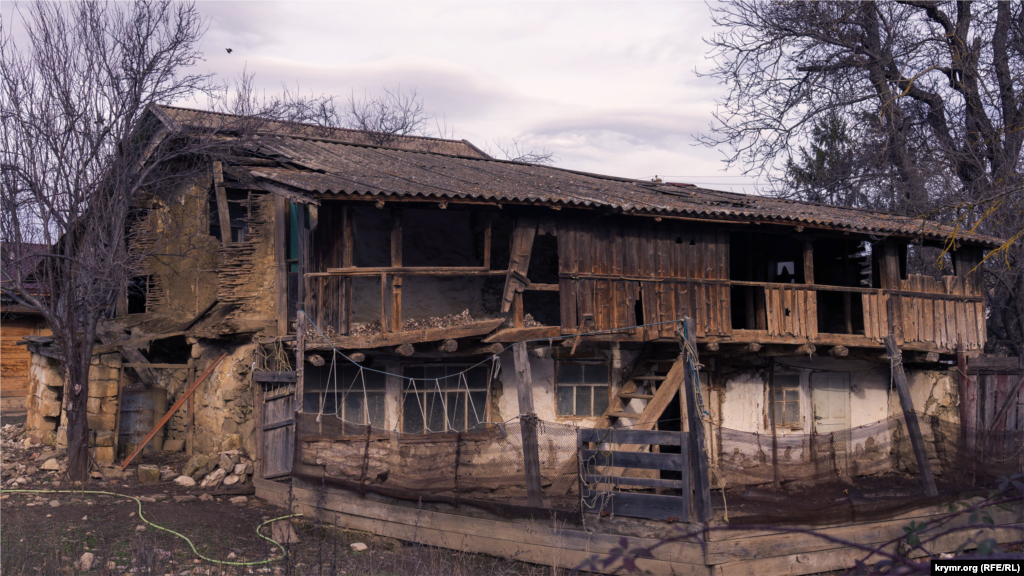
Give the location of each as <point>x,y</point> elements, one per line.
<point>607,87</point>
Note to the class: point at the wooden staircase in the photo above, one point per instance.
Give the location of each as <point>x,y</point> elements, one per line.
<point>649,383</point>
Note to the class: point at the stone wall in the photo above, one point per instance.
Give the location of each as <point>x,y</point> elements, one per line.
<point>224,403</point>
<point>223,417</point>
<point>45,390</point>
<point>46,421</point>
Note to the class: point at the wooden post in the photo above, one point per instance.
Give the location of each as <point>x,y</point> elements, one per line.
<point>300,344</point>
<point>776,481</point>
<point>347,249</point>
<point>913,426</point>
<point>847,297</point>
<point>686,506</point>
<point>698,456</point>
<point>396,262</point>
<point>963,384</point>
<point>223,212</point>
<point>117,415</point>
<point>487,241</point>
<point>528,425</point>
<point>890,280</point>
<point>280,263</point>
<point>189,425</point>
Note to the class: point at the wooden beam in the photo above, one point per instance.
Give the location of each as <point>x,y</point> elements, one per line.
<point>521,334</point>
<point>417,336</point>
<point>519,260</point>
<point>356,357</point>
<point>913,426</point>
<point>698,453</point>
<point>133,343</point>
<point>489,349</point>
<point>347,250</point>
<point>839,352</point>
<point>921,357</point>
<point>528,425</point>
<point>181,400</point>
<point>349,271</point>
<point>808,262</point>
<point>274,376</point>
<point>281,264</point>
<point>449,346</point>
<point>487,240</point>
<point>405,349</point>
<point>396,262</point>
<point>222,203</point>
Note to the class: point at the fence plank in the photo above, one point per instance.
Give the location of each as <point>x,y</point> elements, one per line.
<point>653,506</point>
<point>648,460</point>
<point>625,480</point>
<point>624,436</point>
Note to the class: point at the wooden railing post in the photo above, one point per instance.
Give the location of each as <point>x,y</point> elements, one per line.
<point>528,425</point>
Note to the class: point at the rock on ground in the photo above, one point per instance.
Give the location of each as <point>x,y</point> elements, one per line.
<point>185,481</point>
<point>195,463</point>
<point>51,464</point>
<point>148,474</point>
<point>85,562</point>
<point>358,546</point>
<point>238,500</point>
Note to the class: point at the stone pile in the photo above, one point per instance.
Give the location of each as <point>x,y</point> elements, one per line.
<point>25,461</point>
<point>226,468</point>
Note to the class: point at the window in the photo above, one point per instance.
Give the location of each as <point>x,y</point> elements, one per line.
<point>342,393</point>
<point>787,400</point>
<point>138,290</point>
<point>581,388</point>
<point>441,397</point>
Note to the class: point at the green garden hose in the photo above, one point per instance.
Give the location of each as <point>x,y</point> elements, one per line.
<point>284,552</point>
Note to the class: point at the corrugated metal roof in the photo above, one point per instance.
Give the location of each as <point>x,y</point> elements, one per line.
<point>342,169</point>
<point>339,161</point>
<point>229,122</point>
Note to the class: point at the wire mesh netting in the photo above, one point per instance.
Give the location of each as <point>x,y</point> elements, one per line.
<point>870,468</point>
<point>480,465</point>
<point>856,472</point>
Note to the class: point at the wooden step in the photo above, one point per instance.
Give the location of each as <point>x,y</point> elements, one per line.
<point>633,415</point>
<point>634,396</point>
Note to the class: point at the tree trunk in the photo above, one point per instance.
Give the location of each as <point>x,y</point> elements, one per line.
<point>75,406</point>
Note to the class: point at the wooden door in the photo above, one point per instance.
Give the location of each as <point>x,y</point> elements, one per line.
<point>277,444</point>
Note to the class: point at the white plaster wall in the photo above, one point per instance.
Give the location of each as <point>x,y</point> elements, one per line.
<point>743,404</point>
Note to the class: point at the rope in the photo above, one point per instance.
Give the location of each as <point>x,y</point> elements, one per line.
<point>284,552</point>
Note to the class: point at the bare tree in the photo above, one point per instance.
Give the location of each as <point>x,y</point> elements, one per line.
<point>930,97</point>
<point>395,112</point>
<point>77,158</point>
<point>517,153</point>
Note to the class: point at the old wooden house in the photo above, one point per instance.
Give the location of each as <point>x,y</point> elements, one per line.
<point>457,349</point>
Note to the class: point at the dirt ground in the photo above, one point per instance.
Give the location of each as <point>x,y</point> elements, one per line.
<point>47,533</point>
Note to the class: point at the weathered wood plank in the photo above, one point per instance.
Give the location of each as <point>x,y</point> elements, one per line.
<point>528,425</point>
<point>636,505</point>
<point>910,417</point>
<point>629,436</point>
<point>646,460</point>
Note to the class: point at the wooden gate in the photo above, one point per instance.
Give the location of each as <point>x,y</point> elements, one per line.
<point>606,455</point>
<point>992,409</point>
<point>277,422</point>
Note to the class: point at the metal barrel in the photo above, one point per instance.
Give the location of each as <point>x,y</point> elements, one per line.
<point>141,409</point>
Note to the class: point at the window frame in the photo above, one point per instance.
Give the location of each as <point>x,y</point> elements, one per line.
<point>796,387</point>
<point>375,390</point>
<point>575,385</point>
<point>481,413</point>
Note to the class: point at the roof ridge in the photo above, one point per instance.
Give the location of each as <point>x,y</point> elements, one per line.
<point>315,126</point>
